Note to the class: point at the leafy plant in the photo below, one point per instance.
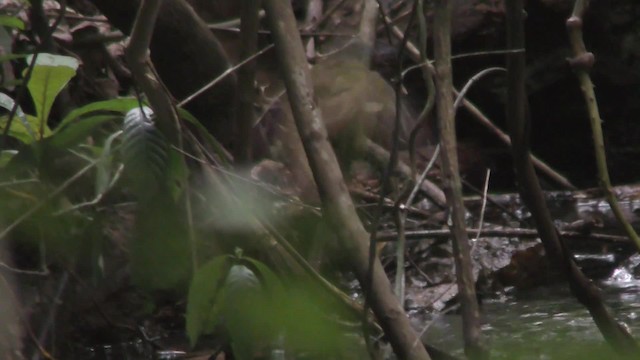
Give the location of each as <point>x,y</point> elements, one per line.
<point>236,294</point>
<point>243,299</point>
<point>60,157</point>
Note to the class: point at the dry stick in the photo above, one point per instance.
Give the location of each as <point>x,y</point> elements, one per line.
<point>509,232</point>
<point>246,81</point>
<point>485,192</point>
<point>422,121</point>
<point>141,69</point>
<point>474,348</point>
<point>531,193</point>
<point>222,76</point>
<point>386,183</point>
<point>414,53</point>
<point>337,204</point>
<point>427,76</point>
<point>401,216</point>
<point>382,156</point>
<point>581,63</point>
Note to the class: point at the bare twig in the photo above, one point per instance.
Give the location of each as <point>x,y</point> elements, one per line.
<point>137,54</point>
<point>246,81</point>
<point>222,76</point>
<point>581,63</point>
<point>484,206</point>
<point>401,215</point>
<point>418,235</point>
<point>474,348</point>
<point>531,193</point>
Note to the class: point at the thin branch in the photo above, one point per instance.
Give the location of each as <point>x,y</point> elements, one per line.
<point>221,77</point>
<point>485,196</point>
<point>582,62</point>
<point>474,347</point>
<point>137,54</point>
<point>531,193</point>
<point>401,216</point>
<point>420,235</point>
<point>245,114</point>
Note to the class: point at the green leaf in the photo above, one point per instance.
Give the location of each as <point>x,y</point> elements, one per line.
<point>120,106</point>
<point>6,156</point>
<point>268,278</point>
<point>9,57</point>
<point>24,131</point>
<point>12,22</point>
<point>178,173</point>
<point>160,246</point>
<point>50,75</point>
<point>243,310</point>
<point>79,131</point>
<point>145,151</point>
<point>203,295</point>
<point>21,127</point>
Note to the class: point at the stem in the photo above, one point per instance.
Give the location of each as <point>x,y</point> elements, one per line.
<point>474,348</point>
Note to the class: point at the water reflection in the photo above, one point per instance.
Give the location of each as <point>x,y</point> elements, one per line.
<point>543,324</point>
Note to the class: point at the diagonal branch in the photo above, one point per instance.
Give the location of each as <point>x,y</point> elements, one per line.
<point>581,64</point>
<point>337,204</point>
<point>583,289</point>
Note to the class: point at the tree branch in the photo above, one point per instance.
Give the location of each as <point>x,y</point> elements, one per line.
<point>337,204</point>
<point>452,184</point>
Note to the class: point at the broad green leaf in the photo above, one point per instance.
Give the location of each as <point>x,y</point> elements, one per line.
<point>160,249</point>
<point>145,151</point>
<point>50,75</point>
<point>178,173</point>
<point>12,22</point>
<point>268,278</point>
<point>203,296</point>
<point>21,128</point>
<point>243,310</point>
<point>121,106</point>
<point>6,156</point>
<point>24,131</point>
<point>79,131</point>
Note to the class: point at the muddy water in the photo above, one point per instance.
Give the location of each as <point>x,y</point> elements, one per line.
<point>545,323</point>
